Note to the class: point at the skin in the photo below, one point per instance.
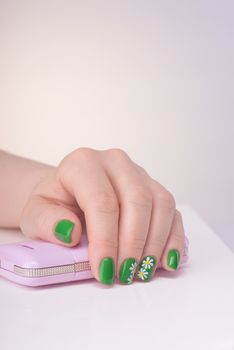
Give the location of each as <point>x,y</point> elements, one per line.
<point>127,213</point>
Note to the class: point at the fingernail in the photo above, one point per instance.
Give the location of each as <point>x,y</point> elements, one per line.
<point>173,259</point>
<point>127,270</point>
<point>107,271</point>
<point>63,230</point>
<point>146,268</point>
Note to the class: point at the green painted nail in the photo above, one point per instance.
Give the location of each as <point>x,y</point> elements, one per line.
<point>107,271</point>
<point>146,268</point>
<point>173,259</point>
<point>63,230</point>
<point>127,270</point>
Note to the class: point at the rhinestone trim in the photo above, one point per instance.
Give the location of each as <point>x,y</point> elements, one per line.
<point>82,266</point>
<point>51,271</point>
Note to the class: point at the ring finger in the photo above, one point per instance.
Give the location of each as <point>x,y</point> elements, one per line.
<point>161,221</point>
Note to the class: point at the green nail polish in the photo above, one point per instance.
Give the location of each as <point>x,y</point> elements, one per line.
<point>127,270</point>
<point>63,230</point>
<point>173,259</point>
<point>146,268</point>
<point>107,271</point>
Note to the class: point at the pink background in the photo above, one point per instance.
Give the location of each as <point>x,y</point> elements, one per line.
<point>152,77</point>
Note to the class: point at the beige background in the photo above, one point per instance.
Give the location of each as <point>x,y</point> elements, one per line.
<point>152,77</point>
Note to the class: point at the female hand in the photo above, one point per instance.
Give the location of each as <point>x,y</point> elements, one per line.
<point>132,222</point>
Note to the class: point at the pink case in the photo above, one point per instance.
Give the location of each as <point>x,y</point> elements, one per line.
<point>36,263</point>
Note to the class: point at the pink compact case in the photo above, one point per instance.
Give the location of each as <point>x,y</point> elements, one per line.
<point>36,262</point>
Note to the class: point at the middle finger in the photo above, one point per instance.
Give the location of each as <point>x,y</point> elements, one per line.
<point>135,198</point>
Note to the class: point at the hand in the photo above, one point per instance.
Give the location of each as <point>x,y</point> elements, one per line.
<point>132,222</point>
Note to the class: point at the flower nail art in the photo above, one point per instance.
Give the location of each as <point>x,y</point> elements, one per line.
<point>128,270</point>
<point>146,268</point>
<point>133,267</point>
<point>148,263</point>
<point>132,270</point>
<point>142,273</point>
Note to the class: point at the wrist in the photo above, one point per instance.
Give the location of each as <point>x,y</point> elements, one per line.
<point>19,176</point>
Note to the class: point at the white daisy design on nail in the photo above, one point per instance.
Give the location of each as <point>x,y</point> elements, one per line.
<point>148,263</point>
<point>142,273</point>
<point>132,270</point>
<point>133,267</point>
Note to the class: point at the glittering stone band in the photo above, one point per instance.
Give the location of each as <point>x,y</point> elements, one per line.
<point>50,271</point>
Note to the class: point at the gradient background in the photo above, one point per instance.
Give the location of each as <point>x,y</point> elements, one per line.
<point>155,78</point>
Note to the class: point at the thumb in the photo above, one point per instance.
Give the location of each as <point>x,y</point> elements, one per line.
<point>43,219</point>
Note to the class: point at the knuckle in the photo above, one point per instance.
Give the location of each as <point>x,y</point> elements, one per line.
<point>166,199</point>
<point>84,152</point>
<point>178,219</point>
<point>142,171</point>
<point>104,242</point>
<point>158,244</point>
<point>42,221</point>
<point>105,201</point>
<point>179,239</point>
<point>118,153</point>
<point>178,215</point>
<point>79,153</point>
<point>141,196</point>
<point>136,243</point>
<point>81,156</point>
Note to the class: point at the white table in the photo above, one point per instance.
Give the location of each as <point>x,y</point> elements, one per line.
<point>190,309</point>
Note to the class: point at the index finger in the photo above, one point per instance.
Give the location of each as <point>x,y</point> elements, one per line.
<point>96,197</point>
